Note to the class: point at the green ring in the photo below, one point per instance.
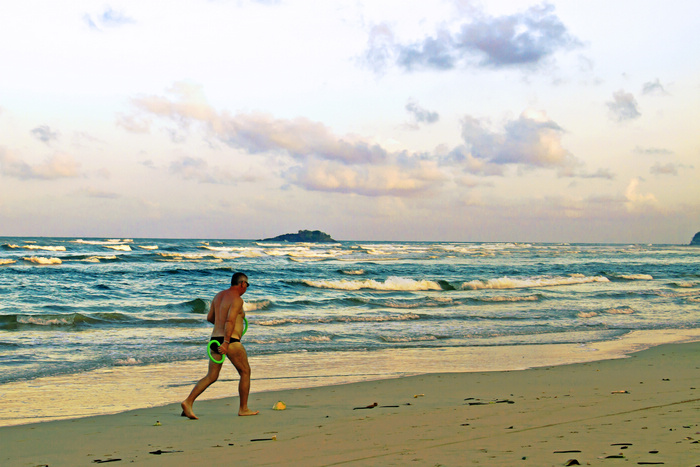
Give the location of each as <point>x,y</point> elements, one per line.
<point>245,328</point>
<point>209,352</point>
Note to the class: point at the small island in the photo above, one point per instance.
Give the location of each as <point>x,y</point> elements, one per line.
<point>696,239</point>
<point>305,236</point>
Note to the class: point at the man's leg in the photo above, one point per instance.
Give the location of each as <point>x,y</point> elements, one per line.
<point>202,384</point>
<point>239,358</point>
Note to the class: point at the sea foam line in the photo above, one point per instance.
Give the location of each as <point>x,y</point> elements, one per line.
<point>510,283</point>
<point>392,283</point>
<point>43,261</point>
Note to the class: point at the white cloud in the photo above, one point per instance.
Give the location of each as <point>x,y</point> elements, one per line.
<point>531,140</point>
<point>623,107</point>
<point>325,161</point>
<point>370,180</point>
<point>521,39</point>
<point>639,202</point>
<point>44,134</point>
<point>56,166</point>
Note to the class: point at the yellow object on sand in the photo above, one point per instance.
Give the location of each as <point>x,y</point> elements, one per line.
<point>279,405</point>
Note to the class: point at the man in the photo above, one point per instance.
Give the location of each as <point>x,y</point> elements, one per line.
<point>226,313</point>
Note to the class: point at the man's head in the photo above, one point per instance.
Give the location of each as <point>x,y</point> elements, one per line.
<point>240,279</point>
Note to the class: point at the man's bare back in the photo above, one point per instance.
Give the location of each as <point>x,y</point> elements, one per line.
<point>226,313</point>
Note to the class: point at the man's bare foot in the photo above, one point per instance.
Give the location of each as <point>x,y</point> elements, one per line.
<point>246,412</point>
<point>187,411</point>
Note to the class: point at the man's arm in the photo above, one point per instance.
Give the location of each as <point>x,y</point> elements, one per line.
<point>230,326</point>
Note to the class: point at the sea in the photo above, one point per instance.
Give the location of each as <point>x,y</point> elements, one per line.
<point>106,325</point>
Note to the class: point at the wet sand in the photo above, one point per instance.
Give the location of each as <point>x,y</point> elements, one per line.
<point>640,410</point>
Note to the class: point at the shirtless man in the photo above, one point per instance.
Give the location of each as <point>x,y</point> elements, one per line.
<point>226,313</point>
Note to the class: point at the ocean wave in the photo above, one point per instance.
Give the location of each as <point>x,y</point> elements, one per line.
<point>103,242</point>
<point>620,310</point>
<point>148,247</point>
<point>339,319</point>
<point>403,339</point>
<point>235,251</point>
<point>89,320</point>
<point>258,305</point>
<point>510,283</point>
<point>118,247</point>
<point>6,261</point>
<point>99,259</point>
<point>187,258</point>
<point>127,361</point>
<point>631,277</point>
<point>197,305</point>
<point>352,272</point>
<point>90,259</point>
<point>42,261</point>
<point>285,340</point>
<point>683,284</point>
<point>525,298</point>
<point>41,247</point>
<point>390,284</point>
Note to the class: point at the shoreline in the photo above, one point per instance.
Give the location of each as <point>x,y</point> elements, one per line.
<point>116,390</point>
<point>642,409</point>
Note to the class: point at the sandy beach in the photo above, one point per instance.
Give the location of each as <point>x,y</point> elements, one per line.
<point>640,410</point>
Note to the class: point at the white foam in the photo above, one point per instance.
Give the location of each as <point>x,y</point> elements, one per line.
<point>43,261</point>
<point>44,321</point>
<point>353,272</point>
<point>96,259</point>
<point>44,247</point>
<point>102,242</point>
<point>391,283</point>
<point>636,277</point>
<point>7,261</point>
<point>118,247</point>
<point>509,283</point>
<point>258,305</point>
<point>148,247</point>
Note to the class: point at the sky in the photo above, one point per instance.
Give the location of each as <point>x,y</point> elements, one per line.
<point>379,120</point>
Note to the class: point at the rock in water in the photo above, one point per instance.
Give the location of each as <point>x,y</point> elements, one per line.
<point>696,239</point>
<point>306,236</point>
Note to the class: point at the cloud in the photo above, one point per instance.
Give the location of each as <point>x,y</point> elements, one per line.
<point>92,192</point>
<point>256,132</point>
<point>531,140</point>
<point>623,107</point>
<point>421,115</point>
<point>522,39</point>
<point>653,151</point>
<point>605,174</point>
<point>109,18</point>
<point>44,134</point>
<point>415,178</point>
<point>667,169</point>
<point>134,124</point>
<point>638,202</point>
<point>197,169</point>
<point>654,88</point>
<point>55,167</point>
<point>319,159</point>
<point>380,48</point>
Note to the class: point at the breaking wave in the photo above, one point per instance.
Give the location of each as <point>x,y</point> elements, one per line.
<point>510,283</point>
<point>390,284</point>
